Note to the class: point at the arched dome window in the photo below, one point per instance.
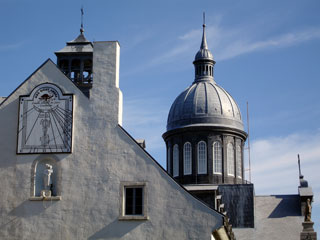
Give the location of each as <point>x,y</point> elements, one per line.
<point>217,157</point>
<point>230,159</point>
<point>202,157</point>
<point>169,161</point>
<point>187,165</point>
<point>238,161</point>
<point>175,160</point>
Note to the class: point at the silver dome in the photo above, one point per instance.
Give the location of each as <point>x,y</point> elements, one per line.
<point>204,104</point>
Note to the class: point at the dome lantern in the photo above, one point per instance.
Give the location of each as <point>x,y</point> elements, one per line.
<point>203,62</point>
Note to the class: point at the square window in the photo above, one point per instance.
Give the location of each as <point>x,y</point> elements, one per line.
<point>133,201</point>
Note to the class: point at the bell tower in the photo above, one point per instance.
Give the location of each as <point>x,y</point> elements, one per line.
<point>75,60</point>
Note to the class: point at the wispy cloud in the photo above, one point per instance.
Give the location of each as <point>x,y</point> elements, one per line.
<point>9,47</point>
<point>248,43</point>
<point>139,112</point>
<point>231,42</point>
<point>134,41</point>
<point>146,120</point>
<point>274,162</point>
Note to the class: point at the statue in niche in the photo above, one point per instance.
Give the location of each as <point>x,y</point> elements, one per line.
<point>307,215</point>
<point>47,181</point>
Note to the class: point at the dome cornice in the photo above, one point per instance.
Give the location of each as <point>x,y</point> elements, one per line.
<point>199,128</point>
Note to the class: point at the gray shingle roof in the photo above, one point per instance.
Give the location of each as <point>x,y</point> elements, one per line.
<point>79,44</point>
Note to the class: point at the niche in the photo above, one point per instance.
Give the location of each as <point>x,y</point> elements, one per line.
<point>45,180</point>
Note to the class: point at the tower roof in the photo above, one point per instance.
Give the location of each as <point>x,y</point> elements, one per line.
<point>78,45</point>
<point>81,39</point>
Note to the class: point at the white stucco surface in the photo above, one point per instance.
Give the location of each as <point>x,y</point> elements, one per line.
<point>103,156</point>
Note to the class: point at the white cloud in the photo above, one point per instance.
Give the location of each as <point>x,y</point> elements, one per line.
<point>248,43</point>
<point>274,162</point>
<point>275,167</point>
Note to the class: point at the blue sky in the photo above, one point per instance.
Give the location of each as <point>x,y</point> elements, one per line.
<point>267,53</point>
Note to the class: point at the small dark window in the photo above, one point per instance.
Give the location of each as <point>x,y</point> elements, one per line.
<point>133,201</point>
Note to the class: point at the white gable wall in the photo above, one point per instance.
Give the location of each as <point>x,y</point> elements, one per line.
<point>103,156</point>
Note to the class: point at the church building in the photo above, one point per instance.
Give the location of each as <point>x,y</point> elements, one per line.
<point>69,170</point>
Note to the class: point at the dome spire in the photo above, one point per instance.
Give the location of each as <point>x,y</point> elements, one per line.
<point>81,28</point>
<point>204,39</point>
<point>203,61</point>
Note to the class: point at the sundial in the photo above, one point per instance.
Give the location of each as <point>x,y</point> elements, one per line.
<point>45,121</point>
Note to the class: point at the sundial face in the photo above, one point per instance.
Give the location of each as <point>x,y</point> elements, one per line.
<point>45,121</point>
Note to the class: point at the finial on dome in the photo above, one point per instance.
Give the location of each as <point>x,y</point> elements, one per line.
<point>204,53</point>
<point>81,28</point>
<point>204,39</point>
